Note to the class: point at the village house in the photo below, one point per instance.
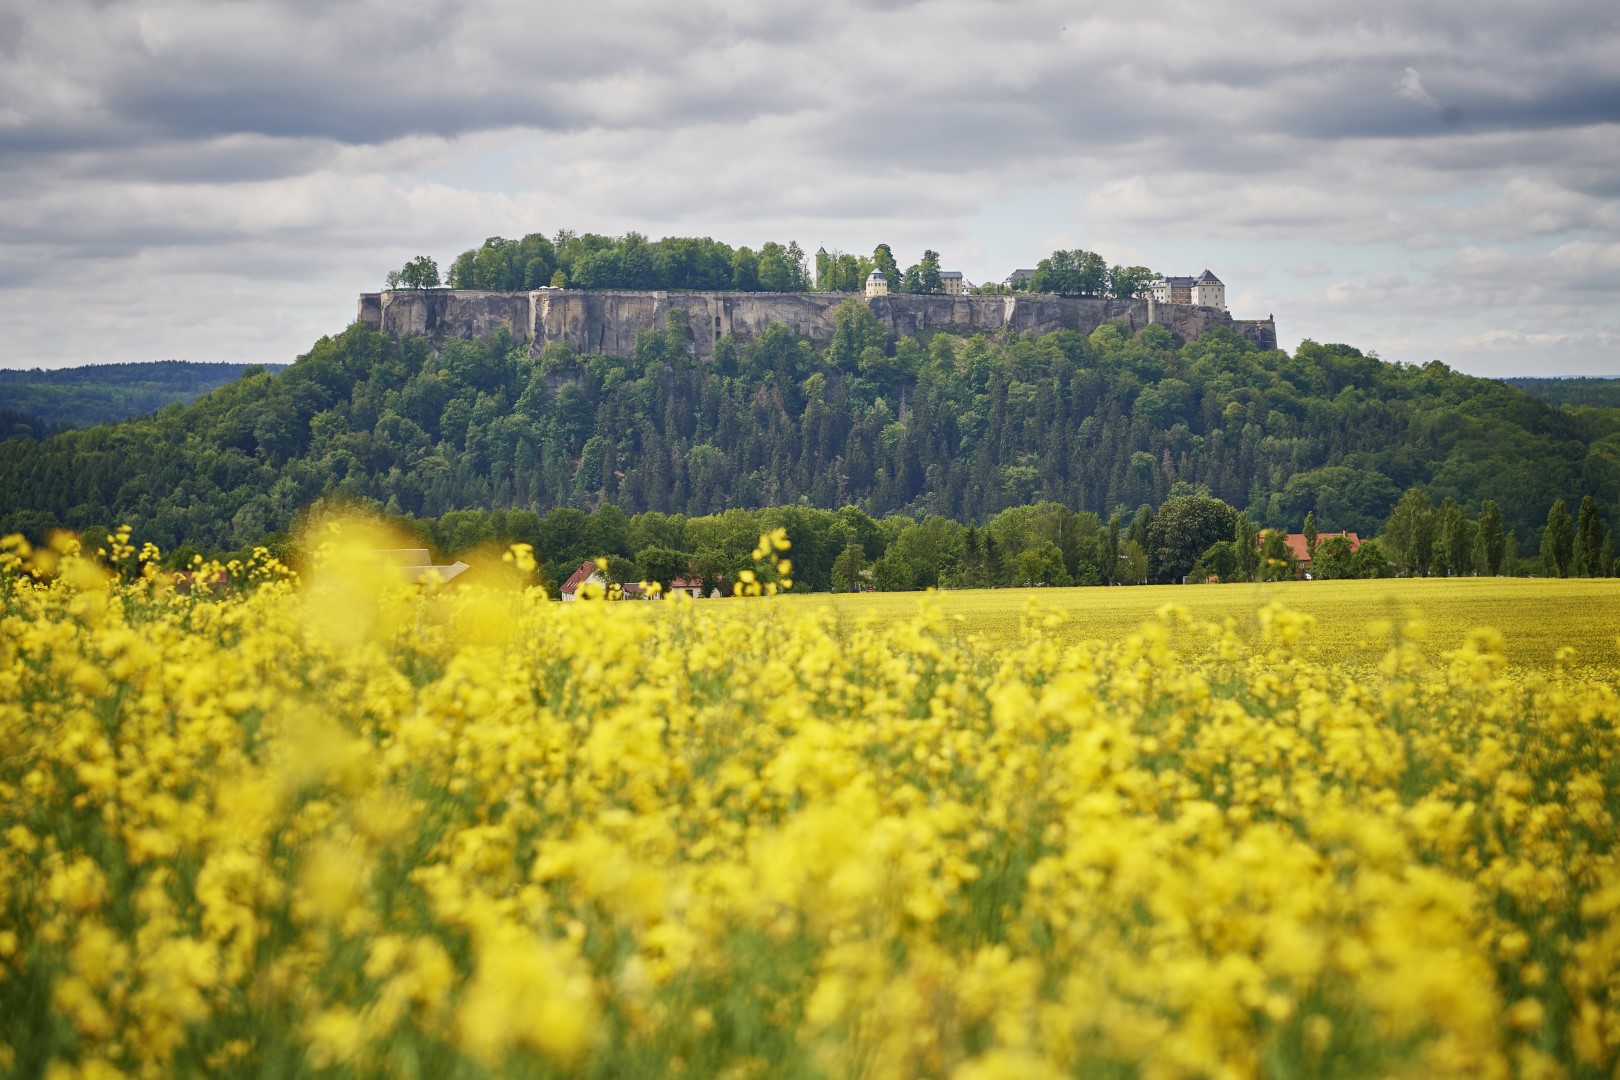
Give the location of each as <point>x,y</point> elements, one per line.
<point>692,587</point>
<point>1300,551</point>
<point>589,572</point>
<point>569,590</point>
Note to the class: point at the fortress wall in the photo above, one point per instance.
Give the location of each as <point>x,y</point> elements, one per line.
<point>608,321</point>
<point>453,313</point>
<point>1263,332</point>
<point>370,310</point>
<point>602,321</point>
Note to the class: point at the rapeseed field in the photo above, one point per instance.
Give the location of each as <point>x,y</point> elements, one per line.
<point>1569,622</point>
<point>340,827</point>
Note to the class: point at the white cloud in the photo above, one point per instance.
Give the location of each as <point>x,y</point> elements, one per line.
<point>1410,87</point>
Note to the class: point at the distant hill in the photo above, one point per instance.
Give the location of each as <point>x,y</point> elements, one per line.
<point>958,427</point>
<point>44,401</point>
<point>1603,393</point>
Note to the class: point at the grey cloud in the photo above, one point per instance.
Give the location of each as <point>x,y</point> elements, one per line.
<point>370,74</point>
<point>302,145</point>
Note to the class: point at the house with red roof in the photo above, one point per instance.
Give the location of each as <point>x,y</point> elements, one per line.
<point>630,590</point>
<point>1301,553</point>
<point>691,586</point>
<point>587,572</point>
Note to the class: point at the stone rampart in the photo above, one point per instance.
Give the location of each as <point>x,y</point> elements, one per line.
<point>602,321</point>
<point>446,313</point>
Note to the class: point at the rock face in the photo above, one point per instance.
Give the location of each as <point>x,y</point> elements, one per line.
<point>449,313</point>
<point>594,321</point>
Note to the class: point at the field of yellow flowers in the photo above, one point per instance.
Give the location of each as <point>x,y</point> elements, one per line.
<point>1552,622</point>
<point>339,827</point>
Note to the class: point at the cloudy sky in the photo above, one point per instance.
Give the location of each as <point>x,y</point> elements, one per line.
<point>213,180</point>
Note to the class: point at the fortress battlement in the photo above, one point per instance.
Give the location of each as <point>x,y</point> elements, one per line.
<point>606,321</point>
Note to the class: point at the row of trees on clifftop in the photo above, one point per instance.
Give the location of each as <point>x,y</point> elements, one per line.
<point>592,261</point>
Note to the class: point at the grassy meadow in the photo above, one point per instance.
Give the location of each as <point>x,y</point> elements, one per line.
<point>340,827</point>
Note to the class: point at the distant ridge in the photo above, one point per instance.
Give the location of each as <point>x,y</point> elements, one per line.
<point>1571,390</point>
<point>106,393</point>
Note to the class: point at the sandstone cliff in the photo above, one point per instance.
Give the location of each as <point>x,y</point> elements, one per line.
<point>608,322</point>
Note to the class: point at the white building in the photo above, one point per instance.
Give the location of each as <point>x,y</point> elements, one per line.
<point>1208,291</point>
<point>877,284</point>
<point>1171,290</point>
<point>1205,290</point>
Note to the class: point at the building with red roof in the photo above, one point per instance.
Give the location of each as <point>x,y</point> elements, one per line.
<point>1301,553</point>
<point>587,572</point>
<point>630,590</point>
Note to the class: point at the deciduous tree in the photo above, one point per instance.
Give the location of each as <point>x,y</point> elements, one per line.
<point>928,279</point>
<point>1185,527</point>
<point>1588,540</point>
<point>1558,540</point>
<point>1490,542</point>
<point>1410,533</point>
<point>420,273</point>
<point>847,568</point>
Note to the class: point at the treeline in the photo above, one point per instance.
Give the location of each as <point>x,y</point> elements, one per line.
<point>43,401</point>
<point>1079,273</point>
<point>956,428</point>
<point>848,550</point>
<point>591,261</point>
<point>631,261</point>
<point>838,271</point>
<point>1576,391</point>
<point>26,426</point>
<point>1426,540</point>
<point>1191,537</point>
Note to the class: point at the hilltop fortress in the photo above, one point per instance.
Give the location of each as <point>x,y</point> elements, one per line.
<point>592,321</point>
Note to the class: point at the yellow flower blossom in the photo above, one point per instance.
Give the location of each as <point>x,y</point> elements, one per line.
<point>338,820</point>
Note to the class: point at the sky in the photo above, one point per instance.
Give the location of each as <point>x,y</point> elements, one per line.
<point>213,180</point>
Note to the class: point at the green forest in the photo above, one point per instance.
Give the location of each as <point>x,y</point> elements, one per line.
<point>952,428</point>
<point>39,402</point>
